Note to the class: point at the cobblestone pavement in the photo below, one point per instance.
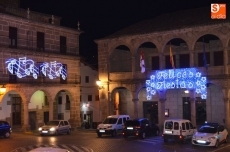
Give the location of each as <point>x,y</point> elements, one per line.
<point>70,148</point>
<point>87,141</point>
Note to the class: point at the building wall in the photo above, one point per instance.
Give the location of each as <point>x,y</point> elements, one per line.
<point>90,88</point>
<point>133,80</point>
<point>33,91</point>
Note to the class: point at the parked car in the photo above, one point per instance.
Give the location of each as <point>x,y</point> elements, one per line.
<point>178,129</point>
<point>5,129</point>
<point>111,125</point>
<point>210,134</point>
<point>55,127</point>
<point>141,127</point>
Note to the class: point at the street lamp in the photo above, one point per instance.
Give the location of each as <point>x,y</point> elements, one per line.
<point>99,84</point>
<point>2,90</point>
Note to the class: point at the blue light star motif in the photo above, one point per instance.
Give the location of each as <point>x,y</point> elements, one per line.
<point>203,79</point>
<point>198,74</point>
<point>152,77</point>
<point>148,97</point>
<point>203,96</point>
<point>153,92</point>
<point>147,81</point>
<point>198,91</point>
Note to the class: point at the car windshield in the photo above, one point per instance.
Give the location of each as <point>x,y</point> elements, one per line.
<point>52,123</point>
<point>208,129</point>
<point>132,123</point>
<point>168,125</point>
<point>110,121</point>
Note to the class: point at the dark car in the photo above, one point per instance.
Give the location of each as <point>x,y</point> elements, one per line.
<point>5,129</point>
<point>141,127</point>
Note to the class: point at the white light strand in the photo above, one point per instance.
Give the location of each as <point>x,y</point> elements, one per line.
<point>25,67</point>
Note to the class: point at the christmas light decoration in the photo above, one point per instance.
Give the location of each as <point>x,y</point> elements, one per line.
<point>25,67</point>
<point>22,67</point>
<point>187,78</point>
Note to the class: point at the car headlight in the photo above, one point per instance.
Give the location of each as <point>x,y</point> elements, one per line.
<point>211,138</point>
<point>40,129</point>
<point>52,129</point>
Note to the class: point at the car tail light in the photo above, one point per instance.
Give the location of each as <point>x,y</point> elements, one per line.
<point>138,126</point>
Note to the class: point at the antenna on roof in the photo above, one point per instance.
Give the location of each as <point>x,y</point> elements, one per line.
<point>28,13</point>
<point>78,25</point>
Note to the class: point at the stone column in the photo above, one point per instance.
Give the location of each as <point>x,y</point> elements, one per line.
<point>75,113</point>
<point>192,61</point>
<point>162,61</point>
<point>226,61</point>
<point>161,112</point>
<point>226,102</point>
<point>193,106</point>
<point>51,110</point>
<point>133,66</point>
<point>135,103</point>
<point>26,126</point>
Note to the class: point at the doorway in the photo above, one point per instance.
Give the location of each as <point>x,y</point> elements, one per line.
<point>201,116</point>
<point>46,117</point>
<point>186,108</point>
<point>16,110</point>
<point>150,111</point>
<point>32,120</point>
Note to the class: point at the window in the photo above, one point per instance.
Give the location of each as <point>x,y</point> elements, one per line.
<point>66,123</point>
<point>218,58</point>
<point>201,59</point>
<point>191,126</point>
<point>67,104</point>
<point>176,126</point>
<point>184,61</point>
<point>183,126</point>
<point>187,125</point>
<point>59,100</point>
<point>96,97</point>
<point>64,70</point>
<point>40,41</point>
<point>13,37</point>
<point>80,98</point>
<point>155,63</point>
<point>60,116</point>
<point>168,64</point>
<point>86,79</point>
<point>63,44</point>
<point>119,121</point>
<point>89,97</point>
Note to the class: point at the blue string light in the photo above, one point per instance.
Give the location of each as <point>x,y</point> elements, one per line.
<point>187,78</point>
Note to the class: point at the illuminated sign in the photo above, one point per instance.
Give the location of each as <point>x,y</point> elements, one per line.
<point>187,78</point>
<point>26,67</point>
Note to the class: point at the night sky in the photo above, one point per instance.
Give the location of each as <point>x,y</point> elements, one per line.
<point>100,18</point>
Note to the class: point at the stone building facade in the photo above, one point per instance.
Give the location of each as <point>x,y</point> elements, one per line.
<point>39,68</point>
<point>193,36</point>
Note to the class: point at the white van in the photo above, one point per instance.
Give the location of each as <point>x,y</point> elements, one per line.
<point>178,129</point>
<point>111,125</point>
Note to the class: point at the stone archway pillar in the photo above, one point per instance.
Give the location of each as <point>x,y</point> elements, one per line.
<point>161,112</point>
<point>26,126</point>
<point>227,116</point>
<point>135,103</point>
<point>193,107</point>
<point>51,109</point>
<point>74,114</point>
<point>225,61</point>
